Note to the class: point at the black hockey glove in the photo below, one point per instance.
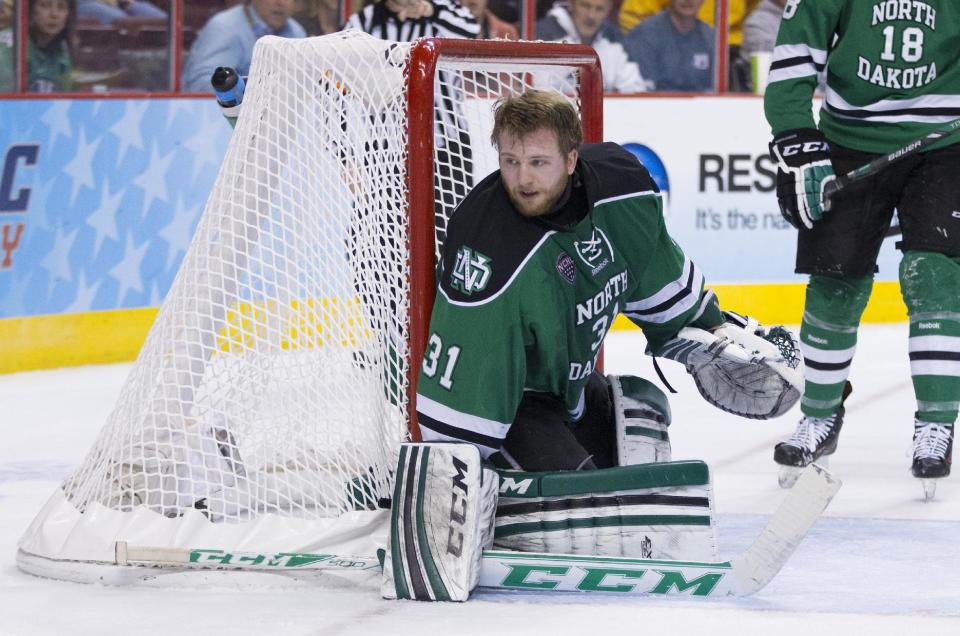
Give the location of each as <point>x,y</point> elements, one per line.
<point>804,169</point>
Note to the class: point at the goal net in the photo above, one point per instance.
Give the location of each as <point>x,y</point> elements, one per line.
<point>265,409</point>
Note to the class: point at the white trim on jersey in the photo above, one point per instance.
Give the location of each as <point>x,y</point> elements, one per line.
<point>461,420</point>
<point>834,103</point>
<point>789,51</point>
<point>807,61</point>
<point>793,72</point>
<point>577,411</point>
<point>672,299</point>
<point>621,197</point>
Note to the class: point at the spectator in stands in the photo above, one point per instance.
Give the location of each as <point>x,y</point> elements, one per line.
<point>585,22</point>
<point>49,46</point>
<point>318,17</point>
<point>109,11</point>
<point>674,49</point>
<point>632,12</point>
<point>6,46</point>
<point>228,37</point>
<point>6,61</point>
<point>509,10</point>
<point>760,28</point>
<point>6,14</point>
<point>490,25</point>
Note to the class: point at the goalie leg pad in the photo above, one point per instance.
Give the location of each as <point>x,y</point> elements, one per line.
<point>441,521</point>
<point>652,511</point>
<point>642,414</point>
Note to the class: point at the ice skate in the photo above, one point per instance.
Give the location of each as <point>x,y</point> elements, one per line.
<point>932,450</point>
<point>814,441</point>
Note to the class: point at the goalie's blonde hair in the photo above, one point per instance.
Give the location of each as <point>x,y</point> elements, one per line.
<point>520,115</point>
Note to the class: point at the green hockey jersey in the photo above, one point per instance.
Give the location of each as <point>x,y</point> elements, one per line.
<point>523,305</point>
<point>892,70</point>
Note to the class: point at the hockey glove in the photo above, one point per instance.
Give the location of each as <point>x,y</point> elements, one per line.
<point>741,367</point>
<point>804,169</point>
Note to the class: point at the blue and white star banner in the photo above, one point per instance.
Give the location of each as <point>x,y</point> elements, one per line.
<point>99,199</point>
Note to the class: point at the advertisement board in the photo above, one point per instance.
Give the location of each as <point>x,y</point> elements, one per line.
<point>99,199</point>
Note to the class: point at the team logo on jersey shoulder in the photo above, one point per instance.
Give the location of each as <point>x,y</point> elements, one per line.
<point>471,272</point>
<point>596,251</point>
<point>566,267</point>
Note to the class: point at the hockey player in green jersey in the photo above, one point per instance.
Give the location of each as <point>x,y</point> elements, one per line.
<point>892,75</point>
<point>539,259</point>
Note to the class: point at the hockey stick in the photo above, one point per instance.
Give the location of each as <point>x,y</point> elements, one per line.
<point>831,189</point>
<point>744,574</point>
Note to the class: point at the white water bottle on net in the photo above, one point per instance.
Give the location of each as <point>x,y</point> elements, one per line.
<point>266,407</point>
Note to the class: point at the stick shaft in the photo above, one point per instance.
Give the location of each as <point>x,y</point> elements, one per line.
<point>500,569</point>
<point>881,163</point>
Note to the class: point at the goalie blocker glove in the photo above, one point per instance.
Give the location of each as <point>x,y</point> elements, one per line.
<point>740,367</point>
<point>803,171</point>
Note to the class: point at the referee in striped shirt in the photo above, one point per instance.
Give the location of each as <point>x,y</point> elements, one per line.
<point>406,21</point>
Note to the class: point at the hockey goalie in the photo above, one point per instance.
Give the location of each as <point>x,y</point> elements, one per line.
<point>540,258</point>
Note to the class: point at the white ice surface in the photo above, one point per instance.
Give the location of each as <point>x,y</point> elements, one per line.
<point>880,562</point>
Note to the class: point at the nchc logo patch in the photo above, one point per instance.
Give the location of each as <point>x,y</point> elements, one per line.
<point>471,272</point>
<point>566,267</point>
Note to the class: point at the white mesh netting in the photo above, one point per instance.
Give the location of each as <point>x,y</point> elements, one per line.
<point>274,381</point>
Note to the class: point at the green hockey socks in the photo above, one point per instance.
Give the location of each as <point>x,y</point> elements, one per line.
<point>828,339</point>
<point>930,283</point>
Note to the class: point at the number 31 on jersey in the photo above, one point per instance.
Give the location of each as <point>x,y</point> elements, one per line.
<point>431,361</point>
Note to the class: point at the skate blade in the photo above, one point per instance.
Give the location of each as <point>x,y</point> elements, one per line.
<point>788,475</point>
<point>929,488</point>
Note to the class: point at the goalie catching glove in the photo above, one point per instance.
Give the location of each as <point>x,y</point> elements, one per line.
<point>804,170</point>
<point>740,367</point>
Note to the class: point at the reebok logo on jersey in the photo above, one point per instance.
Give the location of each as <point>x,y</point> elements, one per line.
<point>928,325</point>
<point>471,272</point>
<point>596,252</point>
<point>566,267</point>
